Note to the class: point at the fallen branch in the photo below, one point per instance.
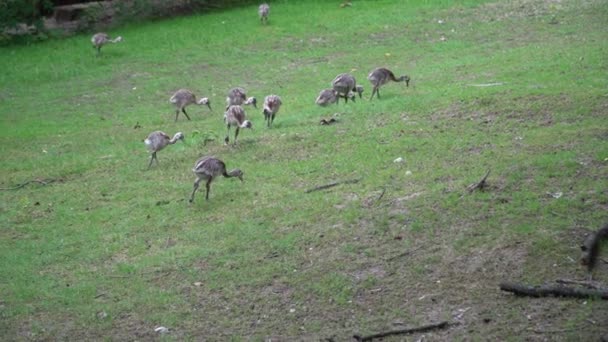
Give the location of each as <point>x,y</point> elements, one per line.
<point>590,284</point>
<point>330,185</point>
<point>479,185</point>
<point>421,329</point>
<point>19,186</point>
<point>552,290</point>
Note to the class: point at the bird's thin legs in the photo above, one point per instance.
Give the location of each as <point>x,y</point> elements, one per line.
<point>271,120</point>
<point>186,114</point>
<point>176,115</point>
<point>196,182</point>
<point>227,139</point>
<point>152,157</point>
<point>208,186</point>
<point>236,134</point>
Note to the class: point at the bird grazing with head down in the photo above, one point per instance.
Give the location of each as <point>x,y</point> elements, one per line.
<point>209,168</point>
<point>158,140</point>
<point>183,98</point>
<point>235,116</point>
<point>272,104</point>
<point>380,76</point>
<point>344,84</point>
<point>263,12</point>
<point>237,97</point>
<point>100,39</point>
<point>329,96</point>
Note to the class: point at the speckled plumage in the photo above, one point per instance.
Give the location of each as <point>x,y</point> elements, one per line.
<point>158,140</point>
<point>263,12</point>
<point>380,76</point>
<point>100,39</point>
<point>238,96</point>
<point>183,98</point>
<point>235,116</point>
<point>272,104</point>
<point>209,168</point>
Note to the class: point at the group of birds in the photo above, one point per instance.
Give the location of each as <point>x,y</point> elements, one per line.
<point>209,168</point>
<point>345,86</point>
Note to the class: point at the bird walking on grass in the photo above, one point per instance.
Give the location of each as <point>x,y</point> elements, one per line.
<point>344,84</point>
<point>100,39</point>
<point>263,12</point>
<point>238,96</point>
<point>235,116</point>
<point>380,76</point>
<point>272,104</point>
<point>209,168</point>
<point>158,140</point>
<point>183,98</point>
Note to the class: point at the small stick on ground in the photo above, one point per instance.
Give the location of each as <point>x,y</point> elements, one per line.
<point>549,290</point>
<point>425,328</point>
<point>479,185</point>
<point>19,186</point>
<point>486,84</point>
<point>330,185</point>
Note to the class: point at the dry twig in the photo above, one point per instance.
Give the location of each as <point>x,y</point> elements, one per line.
<point>479,185</point>
<point>421,329</point>
<point>19,186</point>
<point>330,185</point>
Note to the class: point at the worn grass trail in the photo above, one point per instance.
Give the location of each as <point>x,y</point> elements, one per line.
<point>109,250</point>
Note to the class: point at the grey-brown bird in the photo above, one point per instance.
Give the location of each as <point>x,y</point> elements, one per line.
<point>345,83</point>
<point>238,96</point>
<point>380,76</point>
<point>209,168</point>
<point>263,12</point>
<point>158,140</point>
<point>183,98</point>
<point>235,116</point>
<point>329,96</point>
<point>100,39</point>
<point>272,104</point>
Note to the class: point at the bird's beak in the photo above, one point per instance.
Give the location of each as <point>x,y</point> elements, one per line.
<point>407,83</point>
<point>241,178</point>
<point>209,105</point>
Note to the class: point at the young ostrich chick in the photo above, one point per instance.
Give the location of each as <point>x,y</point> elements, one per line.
<point>209,168</point>
<point>158,140</point>
<point>100,39</point>
<point>183,98</point>
<point>272,104</point>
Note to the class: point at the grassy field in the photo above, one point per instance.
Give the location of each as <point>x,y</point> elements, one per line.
<point>108,250</point>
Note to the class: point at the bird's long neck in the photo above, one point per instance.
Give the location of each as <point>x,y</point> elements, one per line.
<point>392,77</point>
<point>115,40</point>
<point>232,173</point>
<point>173,140</point>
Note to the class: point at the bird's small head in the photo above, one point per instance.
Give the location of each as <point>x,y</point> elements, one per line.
<point>359,90</point>
<point>118,39</point>
<point>247,124</point>
<point>205,101</point>
<point>252,100</point>
<point>237,173</point>
<point>267,111</point>
<point>351,96</point>
<point>179,136</point>
<point>405,79</point>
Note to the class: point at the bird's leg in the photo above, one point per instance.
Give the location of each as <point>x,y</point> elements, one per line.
<point>186,114</point>
<point>236,134</point>
<point>176,115</point>
<point>227,139</point>
<point>208,186</point>
<point>378,93</point>
<point>373,92</point>
<point>98,51</point>
<point>198,180</point>
<point>152,157</point>
<point>271,119</point>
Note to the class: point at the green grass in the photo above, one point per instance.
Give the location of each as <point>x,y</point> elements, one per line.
<point>269,260</point>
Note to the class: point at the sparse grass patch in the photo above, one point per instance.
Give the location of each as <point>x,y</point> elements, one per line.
<point>514,87</point>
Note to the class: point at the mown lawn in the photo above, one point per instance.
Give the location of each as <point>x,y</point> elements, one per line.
<point>97,247</point>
